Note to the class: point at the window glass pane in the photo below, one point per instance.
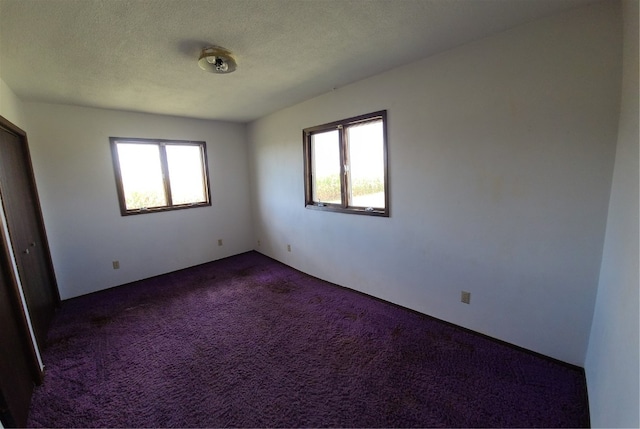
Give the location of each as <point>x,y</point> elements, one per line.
<point>325,167</point>
<point>186,174</point>
<point>141,174</point>
<point>366,159</point>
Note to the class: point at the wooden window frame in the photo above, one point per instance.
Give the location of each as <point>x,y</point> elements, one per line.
<point>161,144</point>
<point>342,126</point>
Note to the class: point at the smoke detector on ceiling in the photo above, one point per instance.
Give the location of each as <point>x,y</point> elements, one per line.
<point>215,59</point>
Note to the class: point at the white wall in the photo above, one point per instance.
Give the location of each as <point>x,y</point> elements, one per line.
<point>74,174</point>
<point>613,358</point>
<point>11,106</point>
<point>501,154</point>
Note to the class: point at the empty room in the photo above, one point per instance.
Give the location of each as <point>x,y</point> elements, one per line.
<point>319,213</point>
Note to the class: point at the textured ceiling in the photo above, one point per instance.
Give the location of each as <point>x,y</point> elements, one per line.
<point>141,55</point>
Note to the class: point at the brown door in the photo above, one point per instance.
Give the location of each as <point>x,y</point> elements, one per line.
<point>25,237</point>
<point>26,232</point>
<point>17,358</point>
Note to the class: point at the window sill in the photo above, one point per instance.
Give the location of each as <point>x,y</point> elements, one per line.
<point>350,210</point>
<point>163,209</point>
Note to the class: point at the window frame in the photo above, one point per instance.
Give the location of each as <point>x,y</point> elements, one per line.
<point>342,126</point>
<point>166,179</point>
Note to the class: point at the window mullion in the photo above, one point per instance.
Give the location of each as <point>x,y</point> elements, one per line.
<point>344,167</point>
<point>347,166</point>
<point>165,174</point>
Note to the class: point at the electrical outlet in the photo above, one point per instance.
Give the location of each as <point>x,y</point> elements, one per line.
<point>258,243</point>
<point>465,297</point>
<point>288,248</point>
<point>220,242</point>
<point>116,265</point>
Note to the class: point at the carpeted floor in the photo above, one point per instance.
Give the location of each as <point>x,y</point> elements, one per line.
<point>249,342</point>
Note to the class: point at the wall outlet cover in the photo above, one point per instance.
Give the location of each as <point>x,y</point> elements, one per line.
<point>465,297</point>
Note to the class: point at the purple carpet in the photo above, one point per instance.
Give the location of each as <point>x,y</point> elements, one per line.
<point>249,342</point>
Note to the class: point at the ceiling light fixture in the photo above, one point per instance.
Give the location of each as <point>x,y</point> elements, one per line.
<point>215,59</point>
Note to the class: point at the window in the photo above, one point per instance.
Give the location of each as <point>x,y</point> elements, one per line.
<point>345,165</point>
<point>159,175</point>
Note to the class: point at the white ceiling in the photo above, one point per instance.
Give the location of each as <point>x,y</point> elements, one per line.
<point>141,55</point>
